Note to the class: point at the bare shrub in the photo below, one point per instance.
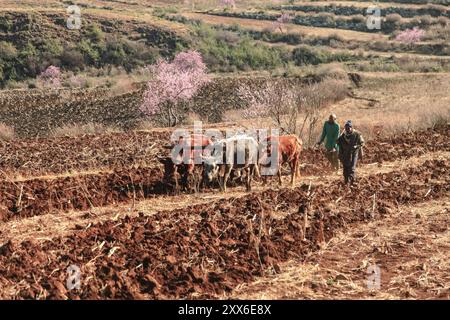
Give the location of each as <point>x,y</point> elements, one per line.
<point>228,37</point>
<point>327,15</point>
<point>358,18</point>
<point>410,64</point>
<point>443,21</point>
<point>293,110</point>
<point>77,81</point>
<point>394,18</point>
<point>333,89</point>
<point>426,20</point>
<point>7,133</point>
<point>436,119</point>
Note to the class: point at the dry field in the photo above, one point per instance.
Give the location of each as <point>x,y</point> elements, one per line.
<point>114,225</point>
<point>100,201</point>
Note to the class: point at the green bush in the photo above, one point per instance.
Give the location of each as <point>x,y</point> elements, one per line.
<point>27,55</point>
<point>224,52</point>
<point>90,52</point>
<point>95,34</point>
<point>304,55</point>
<point>72,59</point>
<point>52,47</point>
<point>5,24</point>
<point>7,51</point>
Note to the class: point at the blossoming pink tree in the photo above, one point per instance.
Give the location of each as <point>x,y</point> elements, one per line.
<point>410,36</point>
<point>173,85</point>
<point>51,77</point>
<point>270,101</point>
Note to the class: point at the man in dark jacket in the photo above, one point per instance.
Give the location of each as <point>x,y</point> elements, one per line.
<point>350,143</point>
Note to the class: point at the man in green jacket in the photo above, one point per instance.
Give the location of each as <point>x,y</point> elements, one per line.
<point>330,133</point>
<point>350,149</point>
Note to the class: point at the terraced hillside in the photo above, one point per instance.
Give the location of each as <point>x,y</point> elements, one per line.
<point>130,35</point>
<point>105,202</point>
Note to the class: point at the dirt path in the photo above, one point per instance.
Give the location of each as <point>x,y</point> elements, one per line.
<point>52,225</point>
<point>410,247</point>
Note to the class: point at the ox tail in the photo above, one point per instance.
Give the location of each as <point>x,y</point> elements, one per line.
<point>299,150</point>
<point>299,142</point>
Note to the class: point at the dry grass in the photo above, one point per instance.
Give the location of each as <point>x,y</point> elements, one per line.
<point>261,25</point>
<point>331,70</point>
<point>413,261</point>
<point>6,132</point>
<point>399,102</point>
<point>75,129</point>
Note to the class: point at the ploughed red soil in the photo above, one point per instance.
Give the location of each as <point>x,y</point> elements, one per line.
<point>127,181</point>
<point>38,196</point>
<point>36,157</point>
<point>410,247</point>
<point>45,156</point>
<point>205,250</point>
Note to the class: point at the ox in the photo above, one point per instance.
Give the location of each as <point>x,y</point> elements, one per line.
<point>239,153</point>
<point>186,161</point>
<point>288,150</point>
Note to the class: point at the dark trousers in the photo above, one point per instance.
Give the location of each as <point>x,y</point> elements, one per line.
<point>349,166</point>
<point>333,159</point>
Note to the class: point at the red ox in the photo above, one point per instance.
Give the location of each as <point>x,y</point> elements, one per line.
<point>189,166</point>
<point>289,148</point>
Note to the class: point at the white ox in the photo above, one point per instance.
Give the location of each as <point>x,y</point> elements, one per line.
<point>239,152</point>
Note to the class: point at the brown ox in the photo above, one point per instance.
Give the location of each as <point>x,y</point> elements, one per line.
<point>289,148</point>
<point>188,166</point>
